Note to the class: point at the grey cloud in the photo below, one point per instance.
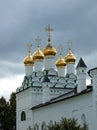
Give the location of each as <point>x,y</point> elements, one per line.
<point>22,20</point>
<point>10,69</point>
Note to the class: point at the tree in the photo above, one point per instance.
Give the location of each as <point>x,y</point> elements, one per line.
<point>12,102</point>
<point>53,126</point>
<point>8,113</point>
<point>4,113</point>
<point>66,124</point>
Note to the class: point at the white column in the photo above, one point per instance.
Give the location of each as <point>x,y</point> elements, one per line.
<point>49,62</point>
<point>38,66</point>
<point>46,92</point>
<point>81,79</point>
<point>61,71</point>
<point>70,68</point>
<point>28,70</point>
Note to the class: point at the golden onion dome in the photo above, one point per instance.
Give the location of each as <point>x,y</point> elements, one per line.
<point>49,50</point>
<point>38,55</point>
<point>60,63</point>
<point>70,58</point>
<point>28,60</point>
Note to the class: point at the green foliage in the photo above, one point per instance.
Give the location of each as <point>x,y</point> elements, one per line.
<point>85,127</point>
<point>8,113</point>
<point>66,124</point>
<point>12,102</point>
<point>53,126</point>
<point>4,112</point>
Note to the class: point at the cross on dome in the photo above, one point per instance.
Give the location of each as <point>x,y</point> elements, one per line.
<point>28,59</point>
<point>60,63</point>
<point>70,58</point>
<point>60,49</point>
<point>49,50</point>
<point>29,45</point>
<point>38,54</point>
<point>69,44</point>
<point>38,40</point>
<point>49,30</point>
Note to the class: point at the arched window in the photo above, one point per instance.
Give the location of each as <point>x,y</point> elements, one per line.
<point>23,116</point>
<point>36,127</point>
<point>43,126</point>
<point>83,120</point>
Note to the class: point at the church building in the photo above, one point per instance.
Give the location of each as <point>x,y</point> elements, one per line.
<point>52,90</point>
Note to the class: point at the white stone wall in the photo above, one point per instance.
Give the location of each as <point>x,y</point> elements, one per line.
<point>28,70</point>
<point>73,107</point>
<point>61,72</point>
<point>49,62</point>
<point>28,98</point>
<point>93,74</point>
<point>25,101</point>
<point>38,66</point>
<point>81,79</point>
<point>70,68</point>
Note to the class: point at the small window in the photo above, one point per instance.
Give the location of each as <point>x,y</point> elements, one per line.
<point>23,116</point>
<point>43,126</point>
<point>36,127</point>
<point>83,120</point>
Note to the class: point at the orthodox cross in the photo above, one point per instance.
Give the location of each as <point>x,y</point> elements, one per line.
<point>69,44</point>
<point>60,49</point>
<point>29,45</point>
<point>49,30</point>
<point>38,40</point>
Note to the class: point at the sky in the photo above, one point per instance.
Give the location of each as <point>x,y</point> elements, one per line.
<point>21,21</point>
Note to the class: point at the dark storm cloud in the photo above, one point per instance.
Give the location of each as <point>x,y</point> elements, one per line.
<point>22,20</point>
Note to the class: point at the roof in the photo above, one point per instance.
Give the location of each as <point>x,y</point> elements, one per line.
<point>65,96</point>
<point>81,63</point>
<point>48,76</point>
<point>45,79</point>
<point>91,70</point>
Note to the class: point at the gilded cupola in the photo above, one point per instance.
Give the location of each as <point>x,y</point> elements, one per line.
<point>49,50</point>
<point>60,63</point>
<point>28,60</point>
<point>70,57</point>
<point>38,54</point>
